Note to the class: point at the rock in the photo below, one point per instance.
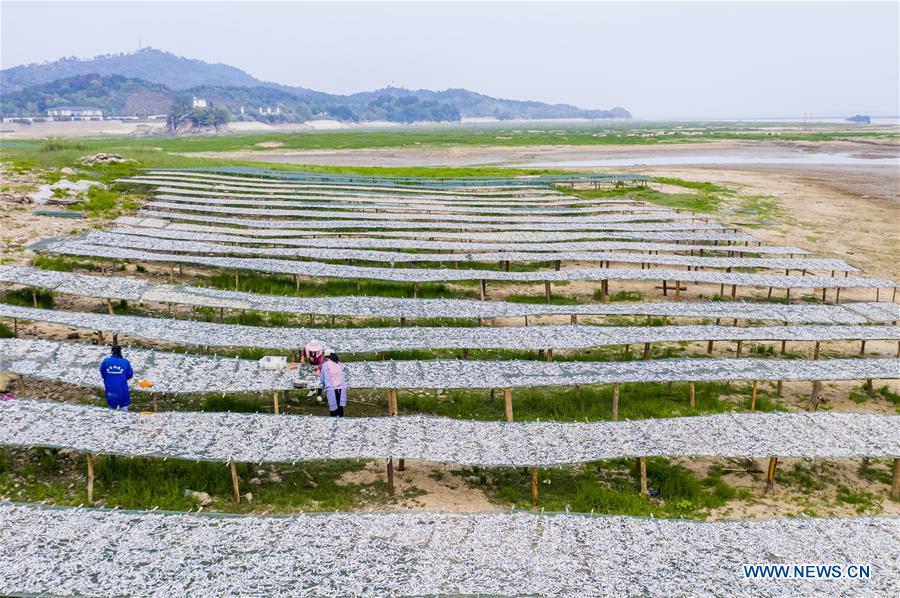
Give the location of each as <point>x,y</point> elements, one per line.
<point>255,482</point>
<point>201,497</point>
<point>72,336</point>
<point>14,198</point>
<point>474,479</point>
<point>248,497</point>
<point>45,194</point>
<point>274,478</point>
<point>103,158</point>
<point>67,171</point>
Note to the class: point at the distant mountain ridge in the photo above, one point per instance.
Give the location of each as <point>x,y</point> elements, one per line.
<point>148,81</point>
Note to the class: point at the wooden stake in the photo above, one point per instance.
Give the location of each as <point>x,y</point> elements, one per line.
<point>816,351</point>
<point>646,351</point>
<point>739,345</point>
<point>275,401</point>
<point>870,387</point>
<point>15,327</point>
<point>709,347</point>
<point>814,397</point>
<point>390,476</point>
<point>693,395</point>
<point>573,319</point>
<point>237,281</point>
<point>677,291</point>
<point>234,482</point>
<point>547,290</point>
<point>770,475</point>
<point>779,388</point>
<point>753,398</point>
<point>155,406</point>
<point>549,354</point>
<point>483,289</point>
<point>90,477</point>
<point>534,486</point>
<point>34,297</point>
<point>109,306</point>
<point>862,348</point>
<point>507,404</point>
<point>392,401</point>
<point>895,481</point>
<point>615,402</point>
<point>643,465</point>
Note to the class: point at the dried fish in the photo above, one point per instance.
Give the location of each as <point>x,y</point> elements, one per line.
<point>67,551</point>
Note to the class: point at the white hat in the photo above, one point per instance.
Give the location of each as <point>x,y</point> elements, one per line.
<point>313,347</point>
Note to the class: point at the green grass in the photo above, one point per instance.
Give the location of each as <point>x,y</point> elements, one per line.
<point>284,285</point>
<point>610,487</point>
<point>5,331</point>
<point>103,203</point>
<point>700,186</point>
<point>63,264</point>
<point>48,475</point>
<point>589,403</point>
<point>29,298</point>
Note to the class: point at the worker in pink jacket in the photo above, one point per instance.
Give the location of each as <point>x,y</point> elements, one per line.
<point>332,378</point>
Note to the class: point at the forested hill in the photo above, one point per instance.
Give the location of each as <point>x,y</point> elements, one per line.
<point>146,82</point>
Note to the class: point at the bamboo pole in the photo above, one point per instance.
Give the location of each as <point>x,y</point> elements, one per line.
<point>549,354</point>
<point>109,306</point>
<point>753,398</point>
<point>34,297</point>
<point>234,482</point>
<point>693,395</point>
<point>507,404</point>
<point>677,291</point>
<point>615,402</point>
<point>275,401</point>
<point>534,486</point>
<point>90,478</point>
<point>642,462</point>
<point>15,328</point>
<point>770,475</point>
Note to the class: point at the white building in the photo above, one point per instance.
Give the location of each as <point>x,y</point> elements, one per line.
<point>76,112</point>
<point>198,102</point>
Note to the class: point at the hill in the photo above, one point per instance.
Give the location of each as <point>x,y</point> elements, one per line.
<point>148,64</point>
<point>140,83</point>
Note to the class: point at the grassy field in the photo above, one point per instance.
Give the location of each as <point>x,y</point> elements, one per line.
<point>160,151</point>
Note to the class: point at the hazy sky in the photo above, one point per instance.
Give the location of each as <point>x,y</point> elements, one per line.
<point>659,60</point>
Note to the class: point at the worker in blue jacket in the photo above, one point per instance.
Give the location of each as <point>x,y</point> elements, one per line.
<point>116,372</point>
